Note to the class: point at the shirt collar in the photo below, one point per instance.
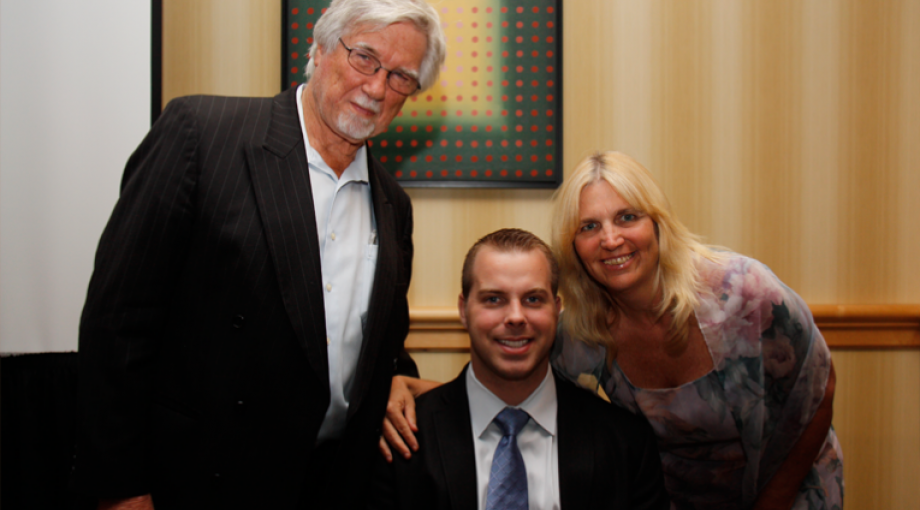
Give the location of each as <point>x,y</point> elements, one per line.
<point>356,171</point>
<point>484,405</point>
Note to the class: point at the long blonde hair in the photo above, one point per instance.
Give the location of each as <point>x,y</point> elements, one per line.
<point>588,304</point>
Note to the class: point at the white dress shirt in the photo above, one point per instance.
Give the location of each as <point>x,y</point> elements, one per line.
<point>537,440</point>
<point>347,234</point>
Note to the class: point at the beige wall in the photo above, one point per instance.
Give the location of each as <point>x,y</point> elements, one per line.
<point>786,130</point>
<point>222,47</point>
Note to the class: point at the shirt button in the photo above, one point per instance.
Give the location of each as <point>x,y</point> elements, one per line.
<point>328,287</point>
<point>332,236</point>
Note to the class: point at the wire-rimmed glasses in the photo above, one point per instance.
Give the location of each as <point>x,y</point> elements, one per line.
<point>367,64</point>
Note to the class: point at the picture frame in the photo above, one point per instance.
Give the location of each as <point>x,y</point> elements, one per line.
<point>493,119</point>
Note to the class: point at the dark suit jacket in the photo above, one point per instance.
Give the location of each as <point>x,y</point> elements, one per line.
<point>202,343</point>
<point>608,457</point>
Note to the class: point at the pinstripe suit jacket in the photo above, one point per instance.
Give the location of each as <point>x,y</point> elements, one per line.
<point>202,341</point>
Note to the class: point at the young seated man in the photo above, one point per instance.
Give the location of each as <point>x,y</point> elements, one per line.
<point>508,433</point>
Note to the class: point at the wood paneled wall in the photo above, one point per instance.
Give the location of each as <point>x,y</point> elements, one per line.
<point>221,47</point>
<point>788,130</point>
<point>877,419</point>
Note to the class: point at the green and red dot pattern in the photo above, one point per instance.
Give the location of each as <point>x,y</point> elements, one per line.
<point>492,119</point>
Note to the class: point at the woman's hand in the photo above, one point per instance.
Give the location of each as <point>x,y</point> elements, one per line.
<point>399,425</point>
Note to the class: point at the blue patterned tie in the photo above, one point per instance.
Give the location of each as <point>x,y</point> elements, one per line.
<point>508,478</point>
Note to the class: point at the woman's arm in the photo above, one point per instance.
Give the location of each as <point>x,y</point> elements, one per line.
<point>399,425</point>
<point>781,491</point>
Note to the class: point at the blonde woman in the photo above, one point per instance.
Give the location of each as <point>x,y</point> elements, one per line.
<point>720,356</point>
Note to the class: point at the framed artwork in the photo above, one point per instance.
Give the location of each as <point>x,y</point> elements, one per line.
<point>494,117</point>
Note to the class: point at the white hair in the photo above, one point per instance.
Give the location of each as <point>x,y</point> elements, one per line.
<point>343,15</point>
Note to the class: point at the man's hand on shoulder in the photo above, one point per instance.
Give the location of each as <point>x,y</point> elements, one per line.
<point>399,425</point>
<point>144,502</point>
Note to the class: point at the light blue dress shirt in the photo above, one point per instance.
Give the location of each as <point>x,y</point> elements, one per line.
<point>347,235</point>
<point>537,440</point>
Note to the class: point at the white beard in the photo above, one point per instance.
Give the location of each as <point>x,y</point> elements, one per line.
<point>354,126</point>
<point>349,123</point>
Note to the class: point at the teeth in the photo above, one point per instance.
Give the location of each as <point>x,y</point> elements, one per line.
<point>619,260</point>
<point>516,343</point>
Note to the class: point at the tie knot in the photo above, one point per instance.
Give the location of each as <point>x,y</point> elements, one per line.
<point>511,420</point>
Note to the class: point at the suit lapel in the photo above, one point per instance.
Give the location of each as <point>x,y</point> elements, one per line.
<point>576,454</point>
<point>281,180</point>
<point>454,436</point>
<point>455,445</point>
<point>381,300</point>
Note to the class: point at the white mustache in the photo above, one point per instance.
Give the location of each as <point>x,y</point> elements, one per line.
<point>368,103</point>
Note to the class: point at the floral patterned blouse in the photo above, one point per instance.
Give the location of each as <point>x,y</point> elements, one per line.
<point>723,436</point>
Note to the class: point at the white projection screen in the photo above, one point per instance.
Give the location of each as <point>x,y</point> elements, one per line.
<point>75,100</point>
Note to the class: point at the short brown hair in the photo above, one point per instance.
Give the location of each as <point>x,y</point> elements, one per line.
<point>505,240</point>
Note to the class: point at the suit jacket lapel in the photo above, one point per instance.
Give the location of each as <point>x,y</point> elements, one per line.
<point>576,467</point>
<point>455,445</point>
<point>381,300</point>
<point>281,180</point>
<point>456,453</point>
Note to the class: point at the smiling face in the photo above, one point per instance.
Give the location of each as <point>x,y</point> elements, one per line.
<point>511,316</point>
<point>617,244</point>
<point>356,106</point>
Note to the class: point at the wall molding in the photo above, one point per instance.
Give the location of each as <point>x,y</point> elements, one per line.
<point>843,326</point>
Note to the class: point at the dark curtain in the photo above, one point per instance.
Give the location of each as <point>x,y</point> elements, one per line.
<point>38,411</point>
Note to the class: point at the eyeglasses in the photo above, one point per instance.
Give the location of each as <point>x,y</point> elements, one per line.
<point>365,63</point>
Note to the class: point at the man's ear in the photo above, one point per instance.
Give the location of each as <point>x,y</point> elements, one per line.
<point>461,305</point>
<point>317,55</point>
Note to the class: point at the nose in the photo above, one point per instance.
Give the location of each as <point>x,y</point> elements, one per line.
<point>515,316</point>
<point>375,86</point>
<point>611,238</point>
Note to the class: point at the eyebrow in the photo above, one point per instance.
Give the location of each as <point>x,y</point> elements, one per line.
<point>365,47</point>
<point>491,291</point>
<point>631,210</point>
<point>535,290</point>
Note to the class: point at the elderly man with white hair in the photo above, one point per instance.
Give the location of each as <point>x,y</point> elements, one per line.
<point>248,305</point>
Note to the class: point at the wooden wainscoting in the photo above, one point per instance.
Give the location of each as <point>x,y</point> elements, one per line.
<point>869,326</point>
<point>843,326</point>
